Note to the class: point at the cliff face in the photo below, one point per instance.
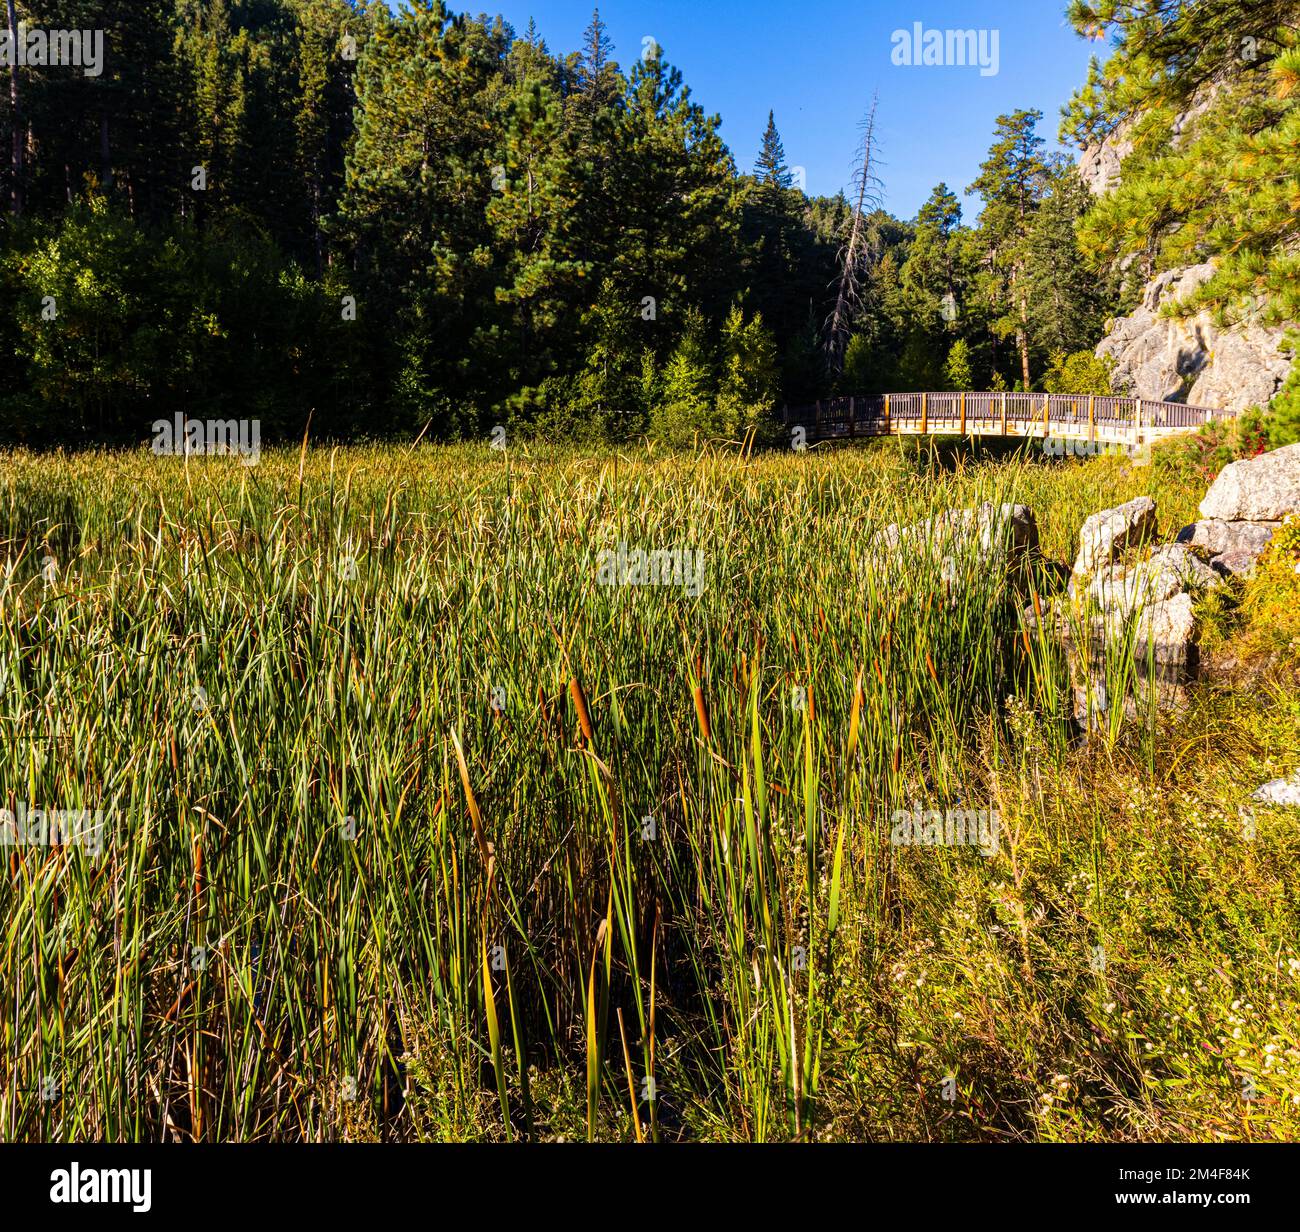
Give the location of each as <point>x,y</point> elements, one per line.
<point>1191,359</point>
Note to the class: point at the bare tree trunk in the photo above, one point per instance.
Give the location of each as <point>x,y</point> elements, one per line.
<point>1022,336</point>
<point>15,114</point>
<point>851,257</point>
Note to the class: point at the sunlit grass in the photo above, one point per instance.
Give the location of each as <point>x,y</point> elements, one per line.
<point>418,831</point>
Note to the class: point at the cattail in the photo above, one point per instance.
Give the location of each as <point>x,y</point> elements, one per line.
<point>580,702</point>
<point>702,711</point>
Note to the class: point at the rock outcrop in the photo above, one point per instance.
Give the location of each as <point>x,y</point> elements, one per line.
<point>1121,601</point>
<point>1193,360</point>
<point>1247,502</point>
<point>1124,598</point>
<point>1190,360</point>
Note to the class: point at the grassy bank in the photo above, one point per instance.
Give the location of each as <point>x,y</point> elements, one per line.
<point>416,830</point>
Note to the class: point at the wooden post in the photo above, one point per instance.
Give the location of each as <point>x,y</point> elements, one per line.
<point>1092,419</point>
<point>925,413</point>
<point>963,414</point>
<point>888,426</point>
<point>1004,414</point>
<point>1047,415</point>
<point>852,431</point>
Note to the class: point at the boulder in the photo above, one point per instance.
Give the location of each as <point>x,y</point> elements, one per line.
<point>1285,792</point>
<point>1218,537</point>
<point>1158,594</point>
<point>1261,489</point>
<point>1166,633</point>
<point>1106,534</point>
<point>998,528</point>
<point>991,531</point>
<point>1235,564</point>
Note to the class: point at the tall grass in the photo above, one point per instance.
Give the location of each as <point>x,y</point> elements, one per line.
<point>418,831</point>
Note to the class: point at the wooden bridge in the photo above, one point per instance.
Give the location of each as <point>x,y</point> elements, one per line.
<point>1096,418</point>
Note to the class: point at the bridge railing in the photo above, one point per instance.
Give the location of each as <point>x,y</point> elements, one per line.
<point>1016,414</point>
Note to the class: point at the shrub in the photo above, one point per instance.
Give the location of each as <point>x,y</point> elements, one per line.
<point>1284,410</point>
<point>1199,457</point>
<point>1079,373</point>
<point>686,407</point>
<point>957,371</point>
<point>1272,599</point>
<point>747,392</point>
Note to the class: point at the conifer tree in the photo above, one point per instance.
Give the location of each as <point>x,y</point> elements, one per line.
<point>1225,187</point>
<point>1011,183</point>
<point>771,168</point>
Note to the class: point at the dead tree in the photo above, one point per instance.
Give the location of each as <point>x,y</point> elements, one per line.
<point>855,254</point>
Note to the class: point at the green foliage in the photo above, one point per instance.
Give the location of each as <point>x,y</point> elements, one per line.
<point>1225,188</point>
<point>1196,460</point>
<point>1012,183</point>
<point>749,382</point>
<point>770,168</point>
<point>1272,599</point>
<point>957,371</point>
<point>1088,118</point>
<point>1284,410</point>
<point>860,365</point>
<point>1082,372</point>
<point>686,409</point>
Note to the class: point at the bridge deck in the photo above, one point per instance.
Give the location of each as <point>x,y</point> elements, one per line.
<point>1102,418</point>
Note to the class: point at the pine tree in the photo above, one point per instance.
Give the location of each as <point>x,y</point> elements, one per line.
<point>1071,302</point>
<point>532,219</point>
<point>1225,188</point>
<point>930,273</point>
<point>1011,183</point>
<point>598,74</point>
<point>771,168</point>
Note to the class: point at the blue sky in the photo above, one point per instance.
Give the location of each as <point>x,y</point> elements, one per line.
<point>816,63</point>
